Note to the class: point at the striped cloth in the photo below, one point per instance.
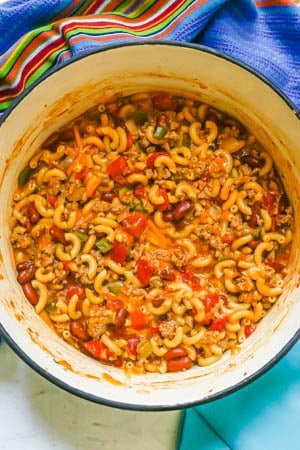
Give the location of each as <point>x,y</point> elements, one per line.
<point>36,36</point>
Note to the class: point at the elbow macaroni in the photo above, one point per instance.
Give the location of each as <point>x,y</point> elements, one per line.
<point>151,233</point>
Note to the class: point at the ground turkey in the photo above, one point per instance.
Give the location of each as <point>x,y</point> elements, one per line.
<point>167,328</point>
<point>97,324</point>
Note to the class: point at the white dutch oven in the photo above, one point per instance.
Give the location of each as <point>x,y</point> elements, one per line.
<point>66,93</point>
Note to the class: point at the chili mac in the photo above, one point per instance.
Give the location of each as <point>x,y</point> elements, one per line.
<point>152,233</point>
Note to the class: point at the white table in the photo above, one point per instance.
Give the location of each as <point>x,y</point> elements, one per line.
<point>36,415</point>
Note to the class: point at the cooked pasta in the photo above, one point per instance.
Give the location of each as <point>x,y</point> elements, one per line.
<point>153,232</point>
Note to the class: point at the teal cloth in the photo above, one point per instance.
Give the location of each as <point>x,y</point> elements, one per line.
<point>263,415</point>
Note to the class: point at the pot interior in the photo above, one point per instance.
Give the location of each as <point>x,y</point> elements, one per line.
<point>68,92</point>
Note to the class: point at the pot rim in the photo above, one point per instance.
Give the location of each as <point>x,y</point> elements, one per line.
<point>141,407</point>
<point>102,400</point>
<point>158,42</point>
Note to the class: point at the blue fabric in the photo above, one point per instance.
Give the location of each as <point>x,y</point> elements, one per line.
<point>267,39</point>
<point>263,415</point>
<point>17,17</point>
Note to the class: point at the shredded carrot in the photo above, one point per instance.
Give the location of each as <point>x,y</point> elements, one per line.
<point>44,240</point>
<point>71,151</point>
<point>225,215</point>
<point>127,238</point>
<point>75,163</point>
<point>80,161</point>
<point>203,216</point>
<point>125,299</point>
<point>84,218</point>
<point>77,137</point>
<point>159,238</point>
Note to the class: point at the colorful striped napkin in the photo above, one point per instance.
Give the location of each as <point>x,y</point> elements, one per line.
<point>36,36</point>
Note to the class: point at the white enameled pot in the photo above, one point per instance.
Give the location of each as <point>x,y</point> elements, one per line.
<point>67,92</point>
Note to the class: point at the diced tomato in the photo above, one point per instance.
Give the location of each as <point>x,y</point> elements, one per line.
<point>117,167</point>
<point>273,223</point>
<point>151,158</point>
<point>210,301</point>
<point>132,344</point>
<point>253,244</point>
<point>82,174</point>
<point>139,320</point>
<point>249,330</point>
<point>154,330</point>
<point>144,271</point>
<point>162,120</point>
<point>75,289</point>
<point>269,202</point>
<point>66,267</point>
<point>118,253</point>
<point>192,280</point>
<point>28,226</point>
<point>228,238</point>
<point>166,203</point>
<point>135,223</point>
<point>113,110</point>
<point>274,264</point>
<point>118,363</point>
<point>218,324</point>
<point>52,199</point>
<point>163,102</point>
<point>114,304</point>
<point>129,139</point>
<point>97,349</point>
<point>140,192</point>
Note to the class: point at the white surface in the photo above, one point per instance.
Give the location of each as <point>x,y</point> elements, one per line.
<point>36,415</point>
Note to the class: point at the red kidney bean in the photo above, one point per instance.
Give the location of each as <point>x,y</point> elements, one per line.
<point>253,220</point>
<point>211,117</point>
<point>236,124</point>
<point>175,353</point>
<point>24,265</point>
<point>78,330</point>
<point>68,134</point>
<point>30,293</point>
<point>158,301</point>
<point>251,161</point>
<point>165,274</point>
<point>177,364</point>
<point>32,213</point>
<point>253,244</point>
<point>162,120</point>
<point>182,209</point>
<point>52,139</point>
<point>283,204</point>
<point>26,275</point>
<point>58,234</point>
<point>168,216</point>
<point>255,215</point>
<point>120,317</point>
<point>108,196</point>
<point>213,145</point>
